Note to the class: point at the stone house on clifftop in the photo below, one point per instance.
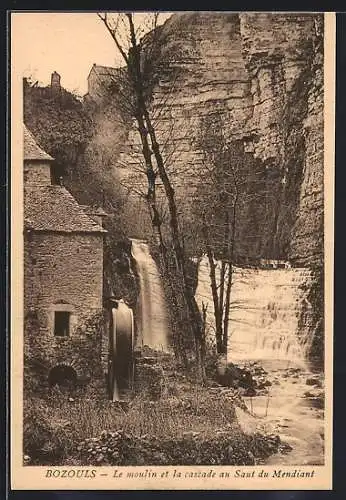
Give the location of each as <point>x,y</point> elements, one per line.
<point>100,79</point>
<point>63,277</point>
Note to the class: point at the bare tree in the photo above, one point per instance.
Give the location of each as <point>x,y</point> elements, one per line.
<point>139,54</point>
<point>225,193</point>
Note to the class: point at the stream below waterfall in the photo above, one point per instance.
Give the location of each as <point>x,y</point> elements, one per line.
<point>294,410</point>
<point>265,329</point>
<point>264,323</point>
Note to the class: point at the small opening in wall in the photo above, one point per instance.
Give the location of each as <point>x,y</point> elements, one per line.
<point>62,375</point>
<point>56,174</point>
<point>62,323</point>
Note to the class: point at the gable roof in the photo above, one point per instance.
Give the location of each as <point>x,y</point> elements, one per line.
<point>104,70</point>
<point>53,208</point>
<point>32,150</point>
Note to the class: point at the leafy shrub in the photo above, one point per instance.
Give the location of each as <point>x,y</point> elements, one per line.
<point>197,426</point>
<point>223,447</point>
<point>45,441</point>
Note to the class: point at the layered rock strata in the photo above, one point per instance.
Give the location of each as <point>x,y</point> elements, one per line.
<point>261,75</point>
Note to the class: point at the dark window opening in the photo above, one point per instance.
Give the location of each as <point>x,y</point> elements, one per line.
<point>62,323</point>
<point>57,172</point>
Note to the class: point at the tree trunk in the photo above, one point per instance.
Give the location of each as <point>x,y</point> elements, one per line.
<point>213,284</point>
<point>227,308</point>
<point>145,127</point>
<point>194,314</point>
<point>230,271</point>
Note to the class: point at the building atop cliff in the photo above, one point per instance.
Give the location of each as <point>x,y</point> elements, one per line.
<point>99,80</point>
<point>55,83</point>
<point>254,82</point>
<point>63,274</point>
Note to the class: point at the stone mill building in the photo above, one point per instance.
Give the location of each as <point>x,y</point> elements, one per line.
<point>63,278</point>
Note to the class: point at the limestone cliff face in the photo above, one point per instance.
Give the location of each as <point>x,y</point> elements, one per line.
<point>206,75</point>
<point>284,59</point>
<point>307,236</point>
<point>261,74</point>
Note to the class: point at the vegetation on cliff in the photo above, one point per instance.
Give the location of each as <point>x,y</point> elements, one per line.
<point>244,209</point>
<point>270,174</point>
<point>137,77</point>
<point>68,130</point>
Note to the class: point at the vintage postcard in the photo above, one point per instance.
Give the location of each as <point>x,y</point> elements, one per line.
<point>172,181</point>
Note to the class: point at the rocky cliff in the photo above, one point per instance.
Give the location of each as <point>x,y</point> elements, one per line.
<point>284,58</point>
<point>261,75</point>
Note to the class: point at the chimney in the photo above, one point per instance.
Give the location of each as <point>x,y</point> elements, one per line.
<point>55,83</point>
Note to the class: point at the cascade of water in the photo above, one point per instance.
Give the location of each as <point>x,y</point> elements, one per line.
<point>152,314</point>
<point>264,316</point>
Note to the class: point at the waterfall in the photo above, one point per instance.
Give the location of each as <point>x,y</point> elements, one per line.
<point>264,315</point>
<point>151,313</point>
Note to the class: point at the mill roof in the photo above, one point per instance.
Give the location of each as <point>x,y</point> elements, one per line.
<point>32,150</point>
<point>52,208</point>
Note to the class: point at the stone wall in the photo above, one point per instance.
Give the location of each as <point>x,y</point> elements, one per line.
<point>82,352</point>
<point>63,272</point>
<point>63,268</point>
<point>36,172</point>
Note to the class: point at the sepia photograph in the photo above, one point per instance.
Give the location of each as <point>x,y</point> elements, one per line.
<point>172,200</point>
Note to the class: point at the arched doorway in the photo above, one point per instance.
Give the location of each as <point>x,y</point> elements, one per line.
<point>62,375</point>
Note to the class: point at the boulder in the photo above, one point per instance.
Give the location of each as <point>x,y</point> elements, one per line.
<point>314,381</point>
<point>250,392</point>
<point>235,376</point>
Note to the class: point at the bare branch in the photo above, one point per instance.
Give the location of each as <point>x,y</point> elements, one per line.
<point>113,34</point>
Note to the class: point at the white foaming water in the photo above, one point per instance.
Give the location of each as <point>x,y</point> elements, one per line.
<point>152,313</point>
<point>264,315</point>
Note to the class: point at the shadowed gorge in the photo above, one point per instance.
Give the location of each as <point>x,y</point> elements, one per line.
<point>260,77</point>
<point>174,247</point>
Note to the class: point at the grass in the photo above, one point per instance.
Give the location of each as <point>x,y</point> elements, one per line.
<point>187,425</point>
<point>54,427</point>
<point>172,415</point>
